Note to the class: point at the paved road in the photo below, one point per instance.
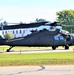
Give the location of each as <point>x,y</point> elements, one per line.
<point>37,51</point>
<point>38,70</point>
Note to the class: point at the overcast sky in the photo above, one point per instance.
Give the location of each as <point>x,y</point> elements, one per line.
<point>29,10</point>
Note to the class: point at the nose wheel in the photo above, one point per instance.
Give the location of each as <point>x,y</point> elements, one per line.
<point>9,48</point>
<point>53,47</point>
<point>67,47</point>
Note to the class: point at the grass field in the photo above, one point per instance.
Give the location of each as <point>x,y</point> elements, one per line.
<point>58,58</point>
<point>28,48</point>
<point>23,48</point>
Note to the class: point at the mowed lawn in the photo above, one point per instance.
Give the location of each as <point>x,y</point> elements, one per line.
<point>23,48</point>
<point>57,58</point>
<point>29,48</point>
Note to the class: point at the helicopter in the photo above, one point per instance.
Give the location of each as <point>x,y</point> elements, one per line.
<point>51,34</point>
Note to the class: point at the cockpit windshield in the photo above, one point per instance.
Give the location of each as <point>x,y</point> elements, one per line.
<point>73,36</point>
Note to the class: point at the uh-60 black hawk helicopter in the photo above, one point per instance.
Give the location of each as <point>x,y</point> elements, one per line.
<point>52,36</point>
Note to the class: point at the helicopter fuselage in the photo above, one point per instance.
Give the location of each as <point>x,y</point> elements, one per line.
<point>43,38</point>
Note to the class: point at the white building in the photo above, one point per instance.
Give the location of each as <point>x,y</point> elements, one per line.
<point>21,29</point>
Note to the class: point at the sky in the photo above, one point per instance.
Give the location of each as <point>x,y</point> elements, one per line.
<point>26,11</point>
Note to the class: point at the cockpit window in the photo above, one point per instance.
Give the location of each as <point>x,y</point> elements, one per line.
<point>56,37</point>
<point>61,38</point>
<point>72,37</point>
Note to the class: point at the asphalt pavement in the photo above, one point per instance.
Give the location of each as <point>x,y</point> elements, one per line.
<point>37,70</point>
<point>39,51</point>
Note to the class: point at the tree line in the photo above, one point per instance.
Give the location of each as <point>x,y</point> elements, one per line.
<point>66,17</point>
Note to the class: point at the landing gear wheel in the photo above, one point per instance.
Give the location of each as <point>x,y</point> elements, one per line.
<point>8,50</point>
<point>53,47</point>
<point>66,47</point>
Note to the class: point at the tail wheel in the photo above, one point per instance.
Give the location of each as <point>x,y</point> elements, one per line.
<point>66,47</point>
<point>53,47</point>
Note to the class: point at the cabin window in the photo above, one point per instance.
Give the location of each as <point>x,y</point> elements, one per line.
<point>56,37</point>
<point>13,31</point>
<point>71,37</point>
<point>3,32</point>
<point>16,31</point>
<point>23,31</point>
<point>20,31</point>
<point>61,38</point>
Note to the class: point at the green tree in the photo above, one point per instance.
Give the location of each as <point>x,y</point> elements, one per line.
<point>66,17</point>
<point>3,23</point>
<point>40,20</point>
<point>9,36</point>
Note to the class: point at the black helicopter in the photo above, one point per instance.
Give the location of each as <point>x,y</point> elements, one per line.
<point>53,36</point>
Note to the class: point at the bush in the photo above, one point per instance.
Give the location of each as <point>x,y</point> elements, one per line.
<point>9,36</point>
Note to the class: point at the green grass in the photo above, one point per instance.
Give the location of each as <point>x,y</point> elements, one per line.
<point>28,48</point>
<point>23,48</point>
<point>58,58</point>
